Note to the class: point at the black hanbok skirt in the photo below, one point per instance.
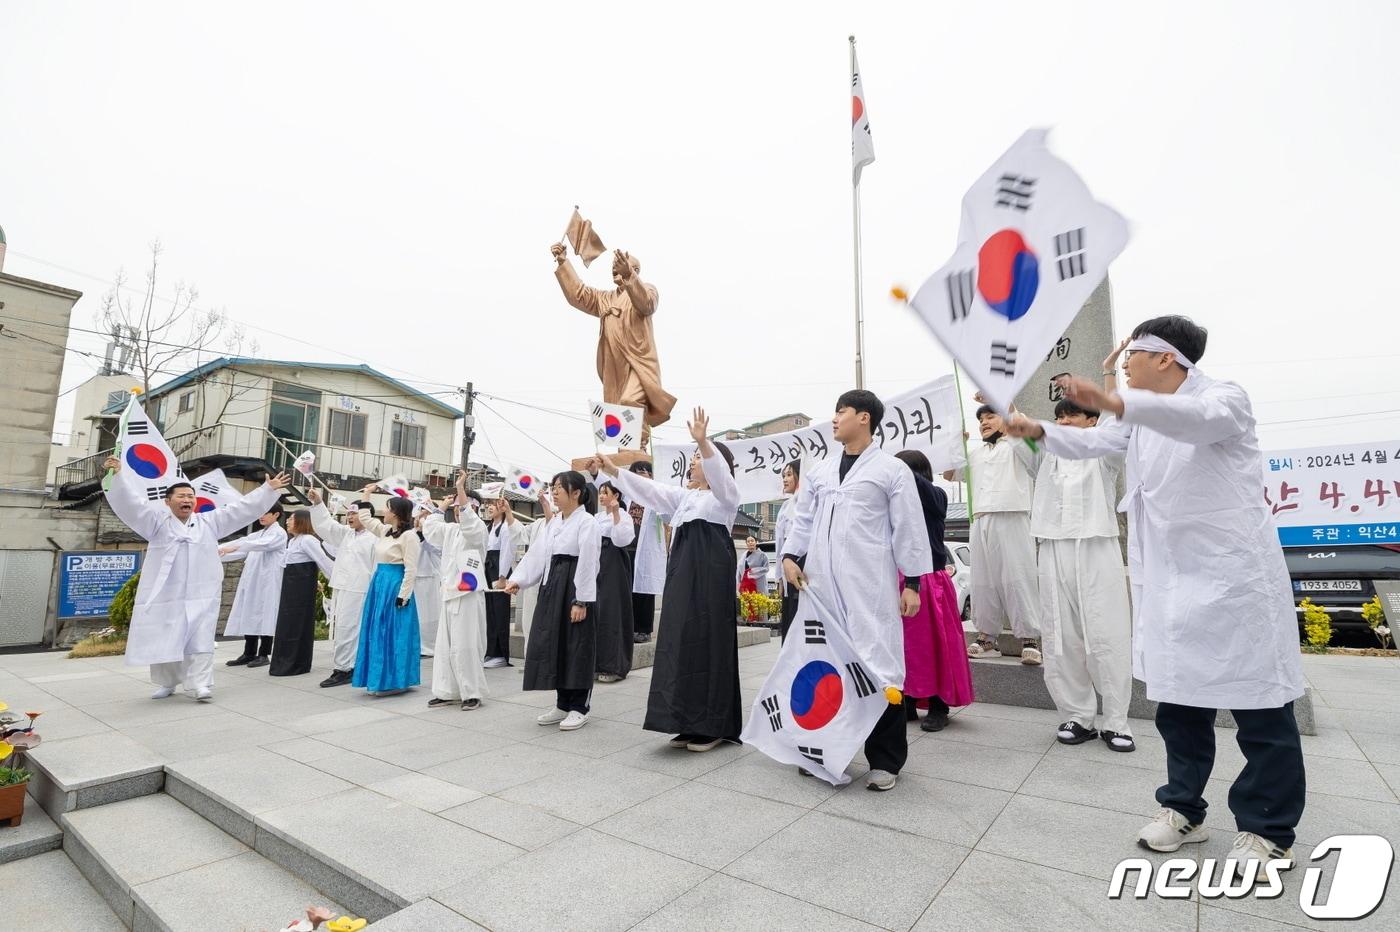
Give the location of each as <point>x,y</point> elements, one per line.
<point>695,677</point>
<point>560,653</point>
<point>614,610</point>
<point>296,622</point>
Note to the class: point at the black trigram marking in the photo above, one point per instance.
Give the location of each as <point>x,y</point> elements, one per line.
<point>156,492</point>
<point>138,428</point>
<point>815,631</point>
<point>625,440</point>
<point>209,488</point>
<point>628,416</point>
<point>1003,359</point>
<point>179,472</point>
<point>775,713</point>
<point>959,286</point>
<point>1015,191</point>
<point>597,410</point>
<point>864,684</point>
<point>812,754</point>
<point>1069,247</point>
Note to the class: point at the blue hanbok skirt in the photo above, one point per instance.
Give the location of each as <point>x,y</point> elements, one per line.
<point>389,645</point>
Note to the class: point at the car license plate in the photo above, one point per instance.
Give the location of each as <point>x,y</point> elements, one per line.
<point>1328,585</point>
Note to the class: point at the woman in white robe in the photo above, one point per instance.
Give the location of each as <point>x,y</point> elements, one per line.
<point>254,613</point>
<point>182,580</point>
<point>458,676</point>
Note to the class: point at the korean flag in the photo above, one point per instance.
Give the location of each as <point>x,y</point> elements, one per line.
<point>148,463</point>
<point>615,427</point>
<point>819,703</point>
<point>1032,246</point>
<point>212,490</point>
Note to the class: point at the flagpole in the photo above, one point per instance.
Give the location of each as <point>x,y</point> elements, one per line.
<point>855,217</point>
<point>967,461</point>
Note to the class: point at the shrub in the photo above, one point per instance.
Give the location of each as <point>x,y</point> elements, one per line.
<point>1374,615</point>
<point>1317,625</point>
<point>123,603</point>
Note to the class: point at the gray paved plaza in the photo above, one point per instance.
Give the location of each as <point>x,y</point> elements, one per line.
<point>238,813</point>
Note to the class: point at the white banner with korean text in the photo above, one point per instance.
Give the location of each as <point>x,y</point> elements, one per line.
<point>926,419</point>
<point>1345,494</point>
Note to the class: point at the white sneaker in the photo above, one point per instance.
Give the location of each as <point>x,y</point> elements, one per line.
<point>203,694</point>
<point>492,663</point>
<point>552,717</point>
<point>1249,847</point>
<point>164,692</point>
<point>573,721</point>
<point>983,650</point>
<point>608,678</point>
<point>880,780</point>
<point>1169,830</point>
<point>1030,656</point>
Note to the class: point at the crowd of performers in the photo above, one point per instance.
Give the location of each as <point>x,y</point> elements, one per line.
<point>1210,624</point>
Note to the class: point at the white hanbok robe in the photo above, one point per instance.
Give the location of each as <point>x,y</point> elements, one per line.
<point>534,533</point>
<point>1085,620</point>
<point>649,564</point>
<point>182,580</point>
<point>1214,622</point>
<point>426,584</point>
<point>782,530</point>
<point>254,611</point>
<point>461,633</point>
<point>350,578</point>
<point>858,535</point>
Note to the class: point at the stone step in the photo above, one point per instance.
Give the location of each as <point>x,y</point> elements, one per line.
<point>35,834</point>
<point>47,891</point>
<point>93,770</point>
<point>160,866</point>
<point>1007,681</point>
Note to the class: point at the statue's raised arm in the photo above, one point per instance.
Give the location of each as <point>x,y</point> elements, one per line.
<point>578,294</point>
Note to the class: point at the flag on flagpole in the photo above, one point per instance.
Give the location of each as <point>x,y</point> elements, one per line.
<point>305,463</point>
<point>615,426</point>
<point>862,143</point>
<point>148,463</point>
<point>394,485</point>
<point>212,490</point>
<point>1032,246</point>
<point>524,481</point>
<point>818,704</point>
<point>588,245</point>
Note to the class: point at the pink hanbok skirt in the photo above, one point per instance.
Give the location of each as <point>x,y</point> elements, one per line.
<point>935,651</point>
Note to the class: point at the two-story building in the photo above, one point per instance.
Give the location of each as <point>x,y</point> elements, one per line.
<point>246,415</point>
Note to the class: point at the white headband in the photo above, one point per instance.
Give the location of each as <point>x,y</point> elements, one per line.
<point>1152,344</point>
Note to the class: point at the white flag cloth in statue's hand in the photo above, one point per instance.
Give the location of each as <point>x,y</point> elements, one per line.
<point>1032,246</point>
<point>615,426</point>
<point>524,481</point>
<point>818,704</point>
<point>212,490</point>
<point>862,143</point>
<point>148,464</point>
<point>394,485</point>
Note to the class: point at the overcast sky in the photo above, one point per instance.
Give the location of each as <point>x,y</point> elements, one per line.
<point>378,183</point>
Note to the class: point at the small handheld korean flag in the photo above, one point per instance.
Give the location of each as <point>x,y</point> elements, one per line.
<point>305,463</point>
<point>1032,247</point>
<point>422,499</point>
<point>394,485</point>
<point>212,490</point>
<point>818,704</point>
<point>524,482</point>
<point>148,464</point>
<point>615,426</point>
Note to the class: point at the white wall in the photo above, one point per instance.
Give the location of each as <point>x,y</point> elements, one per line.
<point>35,318</point>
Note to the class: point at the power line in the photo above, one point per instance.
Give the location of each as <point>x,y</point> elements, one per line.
<point>522,433</point>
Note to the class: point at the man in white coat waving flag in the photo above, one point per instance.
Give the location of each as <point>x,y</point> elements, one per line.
<point>1032,246</point>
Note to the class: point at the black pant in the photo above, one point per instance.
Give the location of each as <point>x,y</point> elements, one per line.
<point>643,612</point>
<point>573,700</point>
<point>887,748</point>
<point>255,646</point>
<point>1267,797</point>
<point>497,612</point>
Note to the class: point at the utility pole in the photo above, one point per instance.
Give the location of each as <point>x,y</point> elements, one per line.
<point>468,431</point>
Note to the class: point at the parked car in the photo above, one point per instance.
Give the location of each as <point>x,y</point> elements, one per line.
<point>1341,580</point>
<point>961,554</point>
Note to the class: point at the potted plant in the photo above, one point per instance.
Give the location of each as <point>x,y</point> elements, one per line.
<point>16,736</point>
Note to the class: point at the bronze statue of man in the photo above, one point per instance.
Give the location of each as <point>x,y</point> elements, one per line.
<point>627,362</point>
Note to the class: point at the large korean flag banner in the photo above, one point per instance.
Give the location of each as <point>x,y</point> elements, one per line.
<point>148,464</point>
<point>1344,494</point>
<point>212,491</point>
<point>926,419</point>
<point>818,704</point>
<point>1032,247</point>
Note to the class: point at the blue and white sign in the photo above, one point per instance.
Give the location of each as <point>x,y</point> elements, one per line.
<point>88,580</point>
<point>1346,494</point>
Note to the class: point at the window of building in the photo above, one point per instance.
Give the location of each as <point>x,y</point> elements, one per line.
<point>346,429</point>
<point>116,400</point>
<point>186,402</point>
<point>407,440</point>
